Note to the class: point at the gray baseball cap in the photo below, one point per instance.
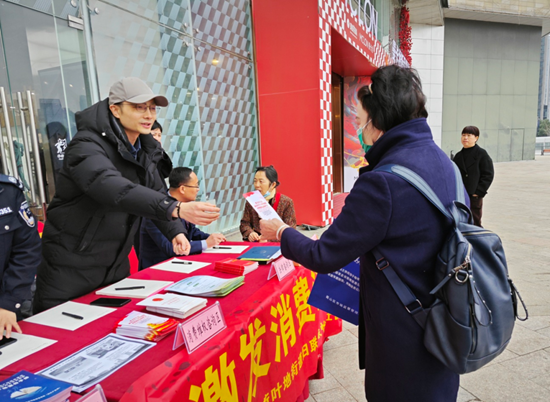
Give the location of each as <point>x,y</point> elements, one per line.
<point>134,90</point>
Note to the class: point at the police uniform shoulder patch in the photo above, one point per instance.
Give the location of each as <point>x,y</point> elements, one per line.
<point>26,214</point>
<point>12,180</point>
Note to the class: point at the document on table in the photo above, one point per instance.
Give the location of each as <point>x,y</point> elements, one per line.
<point>141,288</point>
<point>97,361</point>
<point>54,317</point>
<point>25,346</point>
<point>181,266</point>
<point>226,249</point>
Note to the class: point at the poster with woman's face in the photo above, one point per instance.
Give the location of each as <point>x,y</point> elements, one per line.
<point>353,153</point>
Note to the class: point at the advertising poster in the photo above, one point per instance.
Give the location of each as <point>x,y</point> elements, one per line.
<point>353,153</point>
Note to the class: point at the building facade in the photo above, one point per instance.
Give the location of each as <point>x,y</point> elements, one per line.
<point>489,56</point>
<point>269,82</point>
<point>64,56</point>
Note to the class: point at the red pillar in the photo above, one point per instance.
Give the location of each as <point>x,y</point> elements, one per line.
<point>289,93</point>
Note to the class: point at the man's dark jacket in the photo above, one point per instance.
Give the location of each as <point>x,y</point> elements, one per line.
<point>155,247</point>
<point>476,168</point>
<point>102,190</point>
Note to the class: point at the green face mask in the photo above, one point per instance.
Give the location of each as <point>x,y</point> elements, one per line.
<point>365,147</point>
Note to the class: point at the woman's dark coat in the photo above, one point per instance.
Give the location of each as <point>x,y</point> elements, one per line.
<point>477,170</point>
<point>384,211</point>
<point>102,190</point>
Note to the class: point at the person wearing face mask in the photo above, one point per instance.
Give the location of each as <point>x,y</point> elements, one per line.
<point>476,168</point>
<point>266,182</point>
<point>385,215</point>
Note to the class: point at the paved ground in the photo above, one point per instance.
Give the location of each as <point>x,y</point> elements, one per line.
<point>518,209</point>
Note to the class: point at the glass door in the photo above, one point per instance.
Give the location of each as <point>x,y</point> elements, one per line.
<point>43,83</point>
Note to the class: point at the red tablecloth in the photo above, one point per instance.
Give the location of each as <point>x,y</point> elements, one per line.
<point>272,345</point>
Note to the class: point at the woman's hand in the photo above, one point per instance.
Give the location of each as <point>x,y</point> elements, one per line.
<point>269,228</point>
<point>199,213</point>
<point>253,237</point>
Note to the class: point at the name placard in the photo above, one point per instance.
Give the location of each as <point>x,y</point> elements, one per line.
<point>282,267</point>
<point>95,395</point>
<point>203,326</point>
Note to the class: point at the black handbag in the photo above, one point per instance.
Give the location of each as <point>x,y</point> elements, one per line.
<point>471,321</point>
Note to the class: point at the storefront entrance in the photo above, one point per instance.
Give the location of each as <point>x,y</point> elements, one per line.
<point>43,83</point>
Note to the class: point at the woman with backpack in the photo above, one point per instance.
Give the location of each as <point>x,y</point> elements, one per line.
<point>386,216</point>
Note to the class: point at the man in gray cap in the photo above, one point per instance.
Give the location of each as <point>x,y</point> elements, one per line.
<point>109,180</point>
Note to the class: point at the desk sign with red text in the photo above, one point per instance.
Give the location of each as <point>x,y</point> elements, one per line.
<point>203,326</point>
<point>281,267</point>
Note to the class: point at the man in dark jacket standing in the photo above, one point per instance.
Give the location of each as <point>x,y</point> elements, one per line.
<point>476,167</point>
<point>108,181</point>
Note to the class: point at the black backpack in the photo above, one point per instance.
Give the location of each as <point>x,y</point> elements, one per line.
<point>471,321</point>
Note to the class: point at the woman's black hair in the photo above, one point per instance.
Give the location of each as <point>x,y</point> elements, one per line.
<point>270,173</point>
<point>179,176</point>
<point>394,97</point>
<point>471,130</point>
<point>156,125</point>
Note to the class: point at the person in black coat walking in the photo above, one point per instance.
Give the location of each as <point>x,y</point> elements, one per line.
<point>386,213</point>
<point>476,168</point>
<point>108,181</point>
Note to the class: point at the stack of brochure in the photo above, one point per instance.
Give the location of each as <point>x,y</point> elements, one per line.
<point>145,326</point>
<point>28,386</point>
<point>178,306</point>
<point>206,286</point>
<point>235,266</point>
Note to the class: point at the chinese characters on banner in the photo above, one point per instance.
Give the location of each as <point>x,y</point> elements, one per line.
<point>271,347</point>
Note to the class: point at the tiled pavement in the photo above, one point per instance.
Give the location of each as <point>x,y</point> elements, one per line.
<point>518,209</point>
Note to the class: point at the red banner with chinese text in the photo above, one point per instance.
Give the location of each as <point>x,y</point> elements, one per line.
<point>271,347</point>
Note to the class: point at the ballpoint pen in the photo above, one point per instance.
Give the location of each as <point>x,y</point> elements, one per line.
<point>182,262</point>
<point>221,247</point>
<point>131,288</point>
<point>78,317</point>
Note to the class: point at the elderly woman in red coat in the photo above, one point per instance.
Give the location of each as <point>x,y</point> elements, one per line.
<point>386,213</point>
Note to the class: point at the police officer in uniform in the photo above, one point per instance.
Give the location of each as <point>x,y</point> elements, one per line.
<point>19,252</point>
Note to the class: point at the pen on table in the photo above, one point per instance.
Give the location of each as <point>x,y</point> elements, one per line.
<point>221,248</point>
<point>131,288</point>
<point>182,262</point>
<point>78,317</point>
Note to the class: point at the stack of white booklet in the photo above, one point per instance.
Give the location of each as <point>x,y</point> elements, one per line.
<point>178,306</point>
<point>206,286</point>
<point>145,326</point>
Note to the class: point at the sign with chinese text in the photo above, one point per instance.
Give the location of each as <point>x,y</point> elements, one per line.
<point>282,267</point>
<point>337,293</point>
<point>261,206</point>
<point>273,348</point>
<point>200,328</point>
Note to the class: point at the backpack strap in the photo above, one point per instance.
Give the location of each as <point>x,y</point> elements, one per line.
<point>407,297</point>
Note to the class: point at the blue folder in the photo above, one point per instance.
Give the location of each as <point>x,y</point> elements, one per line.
<point>262,254</point>
<point>337,293</point>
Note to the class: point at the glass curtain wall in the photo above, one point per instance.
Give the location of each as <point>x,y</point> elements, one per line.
<point>198,54</point>
<point>43,83</point>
